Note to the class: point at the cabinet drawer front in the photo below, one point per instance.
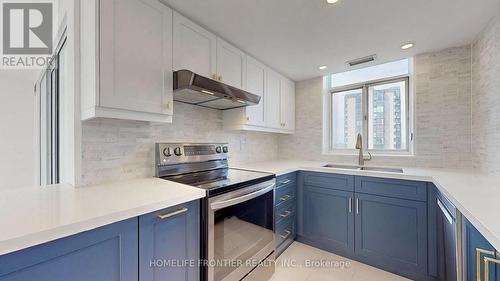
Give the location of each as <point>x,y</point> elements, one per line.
<point>285,194</point>
<point>330,181</point>
<point>391,233</point>
<point>285,211</point>
<point>286,179</point>
<point>285,231</point>
<point>404,189</point>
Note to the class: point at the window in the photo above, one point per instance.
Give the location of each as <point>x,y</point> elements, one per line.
<point>378,109</point>
<point>49,91</point>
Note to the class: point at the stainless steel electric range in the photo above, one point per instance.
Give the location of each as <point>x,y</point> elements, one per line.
<point>237,214</point>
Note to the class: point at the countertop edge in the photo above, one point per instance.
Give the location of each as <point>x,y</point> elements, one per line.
<point>45,236</point>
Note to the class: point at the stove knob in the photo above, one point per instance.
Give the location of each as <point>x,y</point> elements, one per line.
<point>218,149</point>
<point>167,152</point>
<point>177,151</point>
<point>225,149</point>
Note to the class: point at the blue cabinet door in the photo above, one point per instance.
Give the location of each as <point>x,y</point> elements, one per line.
<point>109,253</point>
<point>327,219</point>
<point>477,244</point>
<point>169,244</point>
<point>391,233</point>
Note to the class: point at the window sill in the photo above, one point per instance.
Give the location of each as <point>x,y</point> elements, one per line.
<point>374,154</point>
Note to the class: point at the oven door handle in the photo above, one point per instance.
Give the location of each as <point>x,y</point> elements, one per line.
<point>231,202</point>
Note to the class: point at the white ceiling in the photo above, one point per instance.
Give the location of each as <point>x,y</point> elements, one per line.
<point>297,36</point>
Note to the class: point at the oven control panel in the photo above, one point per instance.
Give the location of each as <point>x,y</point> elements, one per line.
<point>176,153</point>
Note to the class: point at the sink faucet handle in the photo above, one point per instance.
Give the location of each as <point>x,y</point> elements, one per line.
<point>370,156</point>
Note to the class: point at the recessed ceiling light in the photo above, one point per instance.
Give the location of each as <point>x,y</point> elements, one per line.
<point>332,1</point>
<point>407,46</point>
<point>322,67</point>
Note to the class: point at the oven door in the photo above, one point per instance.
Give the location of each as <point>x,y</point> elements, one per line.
<point>240,231</point>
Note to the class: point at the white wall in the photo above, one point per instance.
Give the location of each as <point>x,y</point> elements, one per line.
<point>486,99</point>
<point>17,127</point>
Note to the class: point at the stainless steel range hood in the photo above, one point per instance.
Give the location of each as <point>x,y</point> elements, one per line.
<point>195,89</point>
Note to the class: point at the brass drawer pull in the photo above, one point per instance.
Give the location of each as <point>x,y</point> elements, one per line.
<point>174,213</point>
<point>286,214</point>
<point>285,198</point>
<point>285,181</point>
<point>286,235</point>
<point>480,251</point>
<point>487,261</point>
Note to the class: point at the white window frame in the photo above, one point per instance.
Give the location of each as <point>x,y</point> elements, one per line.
<point>328,148</point>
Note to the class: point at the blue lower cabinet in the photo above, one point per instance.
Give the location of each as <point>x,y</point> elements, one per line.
<point>327,219</point>
<point>391,233</point>
<point>169,244</point>
<point>478,246</point>
<point>108,253</point>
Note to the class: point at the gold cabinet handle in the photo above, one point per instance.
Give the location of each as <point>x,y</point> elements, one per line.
<point>286,235</point>
<point>174,213</point>
<point>284,198</point>
<point>479,252</point>
<point>487,261</point>
<point>286,214</point>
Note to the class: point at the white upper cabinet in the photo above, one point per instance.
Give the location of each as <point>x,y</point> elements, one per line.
<point>255,84</point>
<point>273,99</point>
<point>287,104</point>
<point>275,112</point>
<point>126,52</point>
<point>230,64</point>
<point>194,47</point>
<point>135,65</point>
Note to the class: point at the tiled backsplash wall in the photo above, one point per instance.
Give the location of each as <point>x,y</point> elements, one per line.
<point>117,149</point>
<point>442,112</point>
<point>486,99</point>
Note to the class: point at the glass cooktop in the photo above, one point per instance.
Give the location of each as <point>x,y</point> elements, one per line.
<point>221,180</point>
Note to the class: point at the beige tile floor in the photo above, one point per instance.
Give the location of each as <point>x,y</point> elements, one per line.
<point>295,265</point>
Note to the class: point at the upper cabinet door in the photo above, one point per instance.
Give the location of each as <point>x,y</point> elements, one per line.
<point>136,66</point>
<point>255,84</point>
<point>272,103</point>
<point>230,64</point>
<point>194,47</point>
<point>288,104</point>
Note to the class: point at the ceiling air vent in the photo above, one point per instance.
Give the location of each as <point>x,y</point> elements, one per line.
<point>362,60</point>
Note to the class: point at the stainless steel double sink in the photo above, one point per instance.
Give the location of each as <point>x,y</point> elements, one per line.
<point>375,169</point>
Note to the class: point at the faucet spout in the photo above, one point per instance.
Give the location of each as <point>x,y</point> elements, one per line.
<point>359,145</point>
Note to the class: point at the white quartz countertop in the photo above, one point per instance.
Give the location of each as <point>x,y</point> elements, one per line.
<point>476,195</point>
<point>32,216</point>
